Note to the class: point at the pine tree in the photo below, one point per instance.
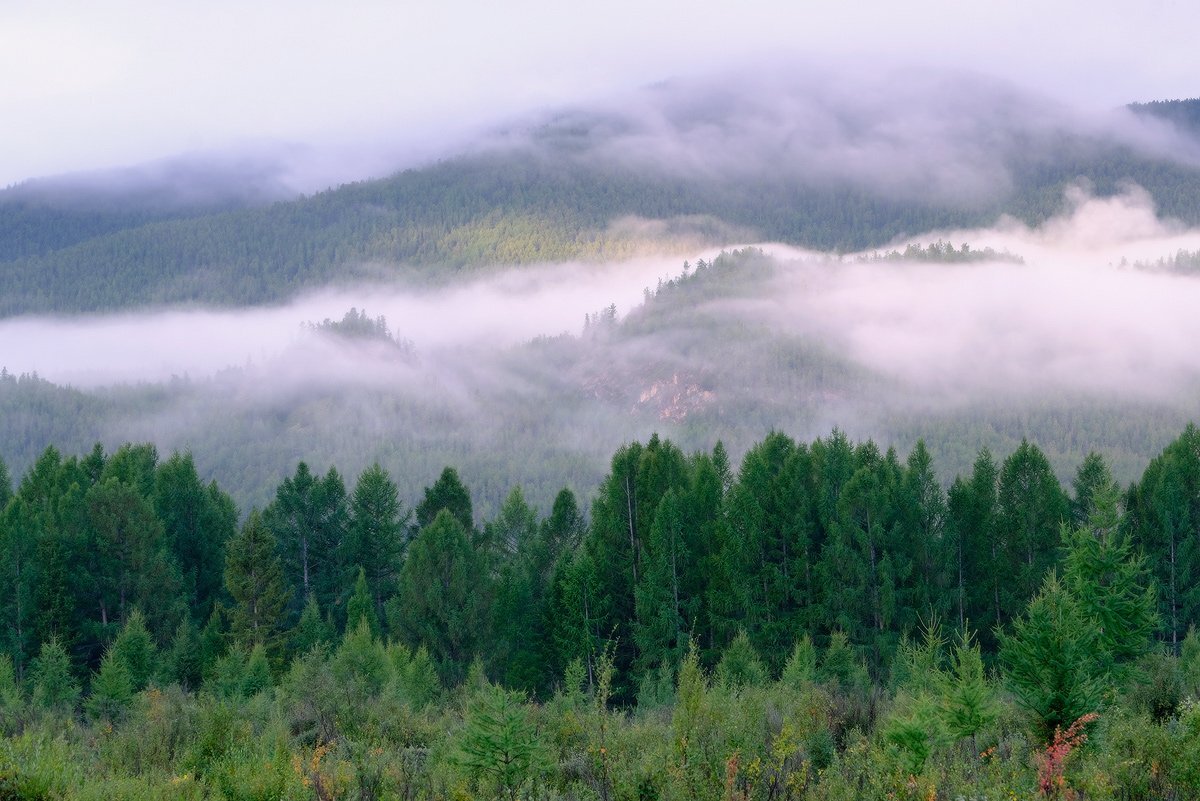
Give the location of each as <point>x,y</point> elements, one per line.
<point>185,659</point>
<point>257,674</point>
<point>311,631</point>
<point>309,519</point>
<point>254,579</point>
<point>801,667</point>
<point>446,493</point>
<point>966,701</point>
<point>1031,508</point>
<point>660,627</point>
<point>197,522</point>
<point>740,665</point>
<point>132,567</point>
<point>361,664</point>
<point>499,746</point>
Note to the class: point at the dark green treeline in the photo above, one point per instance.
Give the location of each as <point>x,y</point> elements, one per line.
<point>828,539</point>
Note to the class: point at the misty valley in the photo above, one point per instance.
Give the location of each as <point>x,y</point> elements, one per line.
<point>732,439</point>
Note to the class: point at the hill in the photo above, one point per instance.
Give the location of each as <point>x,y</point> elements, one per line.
<point>596,184</point>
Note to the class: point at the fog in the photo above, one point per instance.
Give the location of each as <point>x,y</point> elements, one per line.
<point>938,136</point>
<point>493,313</point>
<point>364,89</point>
<point>1075,316</point>
<point>506,384</point>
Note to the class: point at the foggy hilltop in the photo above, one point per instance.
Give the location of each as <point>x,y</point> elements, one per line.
<point>942,257</point>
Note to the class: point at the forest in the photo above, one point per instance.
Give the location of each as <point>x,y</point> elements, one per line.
<point>555,195</point>
<point>824,620</point>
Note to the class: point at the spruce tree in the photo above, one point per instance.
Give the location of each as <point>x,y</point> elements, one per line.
<point>311,631</point>
<point>1110,582</point>
<point>448,493</point>
<point>361,606</point>
<point>257,675</point>
<point>185,659</point>
<point>740,665</point>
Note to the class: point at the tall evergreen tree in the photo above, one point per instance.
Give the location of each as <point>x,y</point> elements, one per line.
<point>448,493</point>
<point>1054,659</point>
<point>54,686</point>
<point>254,580</point>
<point>1031,508</point>
<point>374,541</point>
<point>664,609</point>
<point>132,566</point>
<point>197,521</point>
<point>971,523</point>
<point>308,519</point>
<point>1111,583</point>
<point>444,595</point>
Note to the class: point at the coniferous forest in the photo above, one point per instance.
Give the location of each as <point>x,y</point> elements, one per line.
<point>821,621</point>
<point>889,492</point>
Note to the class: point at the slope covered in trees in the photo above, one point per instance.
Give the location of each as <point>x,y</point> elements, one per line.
<point>563,192</point>
<point>824,618</point>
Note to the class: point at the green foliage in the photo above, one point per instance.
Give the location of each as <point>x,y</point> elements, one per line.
<point>134,648</point>
<point>257,674</point>
<point>801,668</point>
<point>254,579</point>
<point>112,689</point>
<point>374,540</point>
<point>967,702</point>
<point>54,688</point>
<point>311,630</point>
<point>185,661</point>
<point>499,746</point>
<point>740,665</point>
<point>1054,658</point>
<point>444,595</point>
<point>447,493</point>
<point>361,606</point>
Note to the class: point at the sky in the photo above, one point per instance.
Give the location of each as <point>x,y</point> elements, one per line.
<point>349,90</point>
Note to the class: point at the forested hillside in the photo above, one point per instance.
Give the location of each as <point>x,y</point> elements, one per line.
<point>698,360</point>
<point>823,621</point>
<point>563,192</point>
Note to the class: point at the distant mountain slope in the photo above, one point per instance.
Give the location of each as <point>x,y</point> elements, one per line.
<point>1183,113</point>
<point>582,186</point>
<point>40,216</point>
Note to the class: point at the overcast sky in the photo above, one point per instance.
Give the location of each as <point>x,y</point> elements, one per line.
<point>363,86</point>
